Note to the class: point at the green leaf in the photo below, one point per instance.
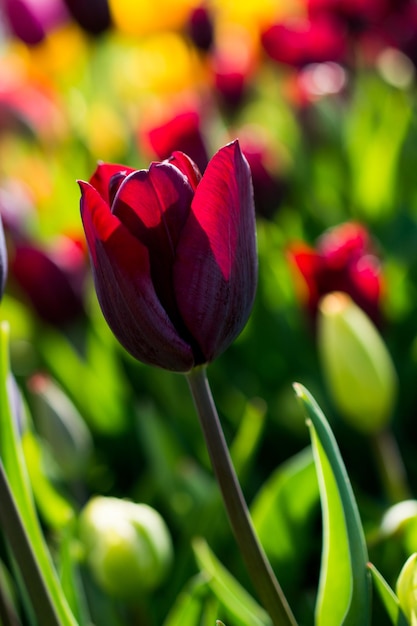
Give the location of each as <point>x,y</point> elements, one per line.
<point>188,606</point>
<point>344,592</point>
<point>282,514</point>
<point>388,597</point>
<point>55,509</point>
<point>237,602</point>
<point>17,474</point>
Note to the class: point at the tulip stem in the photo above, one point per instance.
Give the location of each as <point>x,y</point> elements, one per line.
<point>258,566</point>
<point>391,467</point>
<point>15,532</point>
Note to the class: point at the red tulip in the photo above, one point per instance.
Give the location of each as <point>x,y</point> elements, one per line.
<point>173,255</point>
<point>182,129</point>
<point>342,261</point>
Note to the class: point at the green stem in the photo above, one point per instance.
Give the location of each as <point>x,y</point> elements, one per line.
<point>16,535</point>
<point>391,467</point>
<point>258,566</point>
<point>8,615</point>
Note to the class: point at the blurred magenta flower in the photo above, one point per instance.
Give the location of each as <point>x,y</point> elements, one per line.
<point>268,172</point>
<point>30,20</point>
<point>356,14</point>
<point>343,260</point>
<point>173,255</point>
<point>303,41</point>
<point>51,280</point>
<point>3,261</point>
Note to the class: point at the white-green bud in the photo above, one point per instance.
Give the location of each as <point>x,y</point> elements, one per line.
<point>127,546</point>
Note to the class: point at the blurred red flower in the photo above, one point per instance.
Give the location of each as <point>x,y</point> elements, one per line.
<point>51,280</point>
<point>181,130</point>
<point>343,260</point>
<point>303,41</point>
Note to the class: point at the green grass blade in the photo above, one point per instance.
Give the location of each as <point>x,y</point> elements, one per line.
<point>15,467</point>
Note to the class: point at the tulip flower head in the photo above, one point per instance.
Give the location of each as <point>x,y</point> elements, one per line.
<point>173,255</point>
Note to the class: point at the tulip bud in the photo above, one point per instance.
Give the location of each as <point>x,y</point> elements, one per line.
<point>357,366</point>
<point>127,545</point>
<point>406,589</point>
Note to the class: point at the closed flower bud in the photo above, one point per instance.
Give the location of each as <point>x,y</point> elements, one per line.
<point>127,546</point>
<point>173,254</point>
<point>356,364</point>
<point>406,589</point>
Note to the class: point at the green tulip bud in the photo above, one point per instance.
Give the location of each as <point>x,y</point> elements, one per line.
<point>406,589</point>
<point>357,366</point>
<point>127,545</point>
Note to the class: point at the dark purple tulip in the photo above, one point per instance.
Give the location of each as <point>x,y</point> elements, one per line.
<point>93,16</point>
<point>173,255</point>
<point>201,29</point>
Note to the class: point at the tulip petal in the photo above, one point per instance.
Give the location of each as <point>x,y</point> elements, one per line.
<point>101,178</point>
<point>122,277</point>
<point>154,205</point>
<point>215,271</point>
<point>187,167</point>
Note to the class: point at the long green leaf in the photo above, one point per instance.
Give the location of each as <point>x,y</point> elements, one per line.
<point>237,602</point>
<point>345,590</point>
<point>15,467</point>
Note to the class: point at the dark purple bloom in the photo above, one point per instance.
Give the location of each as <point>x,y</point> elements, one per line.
<point>93,16</point>
<point>173,255</point>
<point>200,28</point>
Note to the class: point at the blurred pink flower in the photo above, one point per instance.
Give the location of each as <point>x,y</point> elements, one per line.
<point>30,20</point>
